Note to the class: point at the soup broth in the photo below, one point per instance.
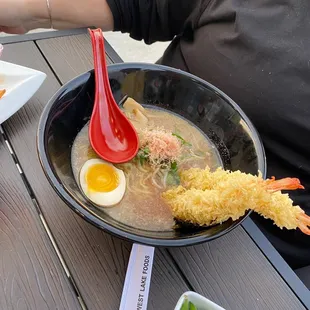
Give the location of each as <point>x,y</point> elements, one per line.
<point>142,206</point>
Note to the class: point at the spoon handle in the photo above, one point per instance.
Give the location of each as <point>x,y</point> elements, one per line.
<point>104,96</point>
<point>138,278</point>
<point>100,63</point>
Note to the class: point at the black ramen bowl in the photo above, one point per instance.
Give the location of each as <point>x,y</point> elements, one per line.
<point>201,103</point>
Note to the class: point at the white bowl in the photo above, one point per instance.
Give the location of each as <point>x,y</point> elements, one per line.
<point>199,301</point>
<point>20,84</point>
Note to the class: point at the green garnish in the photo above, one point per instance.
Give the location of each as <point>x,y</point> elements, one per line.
<point>146,151</point>
<point>184,142</point>
<point>143,155</point>
<point>192,306</point>
<point>173,177</point>
<point>174,166</point>
<point>188,305</point>
<point>185,304</point>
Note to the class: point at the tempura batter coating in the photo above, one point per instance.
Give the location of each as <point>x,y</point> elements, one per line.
<point>206,198</point>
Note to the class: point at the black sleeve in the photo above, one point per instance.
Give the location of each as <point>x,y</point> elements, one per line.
<point>155,20</point>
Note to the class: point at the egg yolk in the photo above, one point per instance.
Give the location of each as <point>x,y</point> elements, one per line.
<point>101,178</point>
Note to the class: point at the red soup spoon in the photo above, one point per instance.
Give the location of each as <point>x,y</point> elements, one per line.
<point>111,134</point>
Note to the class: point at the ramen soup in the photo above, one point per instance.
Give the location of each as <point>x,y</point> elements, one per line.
<point>131,192</point>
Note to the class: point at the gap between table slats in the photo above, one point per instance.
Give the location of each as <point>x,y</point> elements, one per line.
<point>30,274</point>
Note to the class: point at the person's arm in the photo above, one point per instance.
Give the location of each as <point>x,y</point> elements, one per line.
<point>20,16</point>
<point>71,13</point>
<point>156,20</point>
<point>151,20</point>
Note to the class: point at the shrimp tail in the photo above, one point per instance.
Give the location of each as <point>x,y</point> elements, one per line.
<point>304,223</point>
<point>2,92</point>
<point>274,185</point>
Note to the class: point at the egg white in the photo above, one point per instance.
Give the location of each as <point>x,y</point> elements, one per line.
<point>103,199</point>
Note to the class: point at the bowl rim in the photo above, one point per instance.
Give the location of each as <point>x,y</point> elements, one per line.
<point>195,297</point>
<point>95,220</point>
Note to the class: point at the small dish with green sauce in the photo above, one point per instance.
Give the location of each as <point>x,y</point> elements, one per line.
<point>194,301</point>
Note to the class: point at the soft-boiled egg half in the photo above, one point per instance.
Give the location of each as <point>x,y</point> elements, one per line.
<point>102,183</point>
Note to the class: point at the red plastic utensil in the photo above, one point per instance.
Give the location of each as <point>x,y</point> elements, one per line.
<point>111,134</point>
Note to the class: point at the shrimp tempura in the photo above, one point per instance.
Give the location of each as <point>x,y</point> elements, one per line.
<point>207,198</point>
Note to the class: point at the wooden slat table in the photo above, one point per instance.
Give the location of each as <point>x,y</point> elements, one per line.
<point>50,258</point>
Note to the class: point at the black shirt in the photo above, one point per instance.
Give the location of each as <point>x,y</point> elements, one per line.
<point>258,53</point>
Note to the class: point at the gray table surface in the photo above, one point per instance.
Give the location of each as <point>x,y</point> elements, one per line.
<point>50,258</point>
